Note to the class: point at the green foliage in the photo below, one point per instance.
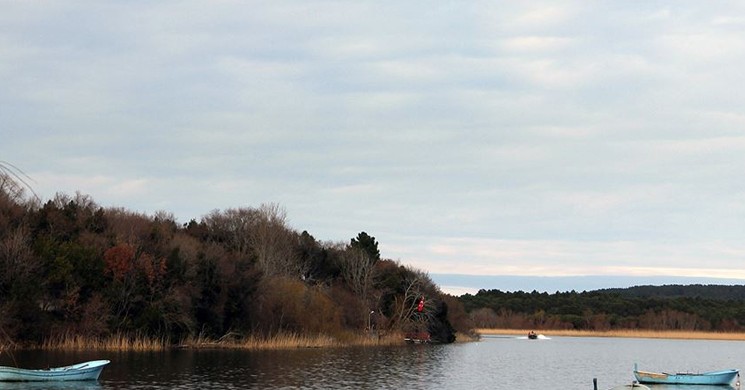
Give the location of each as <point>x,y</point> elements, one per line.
<point>367,244</point>
<point>319,260</point>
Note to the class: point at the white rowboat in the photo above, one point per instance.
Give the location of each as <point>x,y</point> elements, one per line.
<point>87,371</point>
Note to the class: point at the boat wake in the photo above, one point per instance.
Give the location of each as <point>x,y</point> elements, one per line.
<point>538,337</point>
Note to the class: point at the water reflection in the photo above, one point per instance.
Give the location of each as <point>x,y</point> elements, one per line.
<point>84,385</point>
<point>361,368</point>
<point>333,368</point>
<point>494,363</point>
<point>690,387</point>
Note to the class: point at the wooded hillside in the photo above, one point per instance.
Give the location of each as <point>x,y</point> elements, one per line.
<point>71,267</point>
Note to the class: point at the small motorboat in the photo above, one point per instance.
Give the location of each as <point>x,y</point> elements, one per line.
<point>532,335</point>
<point>723,377</point>
<point>87,371</point>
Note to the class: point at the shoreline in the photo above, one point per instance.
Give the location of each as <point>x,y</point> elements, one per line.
<point>123,342</point>
<point>294,341</point>
<point>625,333</point>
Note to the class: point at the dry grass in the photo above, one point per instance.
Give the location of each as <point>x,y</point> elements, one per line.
<point>117,342</point>
<point>653,334</point>
<point>282,341</point>
<point>229,341</point>
<point>465,337</point>
<point>294,340</point>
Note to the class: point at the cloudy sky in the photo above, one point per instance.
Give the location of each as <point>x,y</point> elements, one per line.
<point>557,138</point>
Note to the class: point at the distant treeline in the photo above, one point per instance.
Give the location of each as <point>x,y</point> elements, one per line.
<point>670,307</point>
<point>706,291</point>
<point>69,267</point>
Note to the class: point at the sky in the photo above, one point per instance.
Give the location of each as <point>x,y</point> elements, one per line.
<point>574,140</point>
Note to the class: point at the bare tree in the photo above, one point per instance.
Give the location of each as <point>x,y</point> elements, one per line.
<point>13,181</point>
<point>16,259</point>
<point>261,233</point>
<point>357,270</point>
<point>274,244</point>
<point>234,227</point>
<point>417,284</point>
<point>128,226</point>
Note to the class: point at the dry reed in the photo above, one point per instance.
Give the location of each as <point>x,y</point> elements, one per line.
<point>122,342</point>
<point>630,333</point>
<point>461,337</point>
<point>292,341</point>
<point>118,342</point>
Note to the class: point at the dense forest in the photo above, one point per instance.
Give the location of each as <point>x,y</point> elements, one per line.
<point>671,307</point>
<point>70,267</point>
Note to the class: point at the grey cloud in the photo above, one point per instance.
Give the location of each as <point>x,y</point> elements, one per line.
<point>571,122</point>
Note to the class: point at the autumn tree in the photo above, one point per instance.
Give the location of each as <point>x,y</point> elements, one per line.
<point>137,278</point>
<point>288,305</point>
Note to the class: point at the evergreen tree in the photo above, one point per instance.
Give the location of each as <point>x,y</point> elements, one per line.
<point>367,244</point>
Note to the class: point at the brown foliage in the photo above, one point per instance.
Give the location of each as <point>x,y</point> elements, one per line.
<point>119,260</point>
<point>672,319</point>
<point>353,310</point>
<point>128,226</point>
<point>17,261</point>
<point>457,314</point>
<point>292,306</point>
<point>11,210</point>
<point>121,263</point>
<point>95,316</point>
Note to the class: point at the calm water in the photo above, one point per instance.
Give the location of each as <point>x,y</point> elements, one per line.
<point>494,363</point>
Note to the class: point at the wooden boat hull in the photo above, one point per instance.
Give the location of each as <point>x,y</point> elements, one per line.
<point>87,371</point>
<point>723,377</point>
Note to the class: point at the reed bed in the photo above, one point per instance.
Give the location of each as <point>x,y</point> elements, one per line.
<point>118,342</point>
<point>293,341</point>
<point>6,346</point>
<point>121,342</point>
<point>280,341</point>
<point>287,340</point>
<point>630,333</point>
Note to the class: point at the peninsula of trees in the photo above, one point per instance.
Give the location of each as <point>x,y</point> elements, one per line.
<point>69,267</point>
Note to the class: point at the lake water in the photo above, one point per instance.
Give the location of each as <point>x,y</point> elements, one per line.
<point>498,363</point>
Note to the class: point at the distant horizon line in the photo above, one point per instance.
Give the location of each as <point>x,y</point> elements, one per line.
<point>459,284</point>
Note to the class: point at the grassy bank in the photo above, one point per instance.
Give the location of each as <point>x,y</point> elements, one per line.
<point>230,341</point>
<point>654,334</point>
